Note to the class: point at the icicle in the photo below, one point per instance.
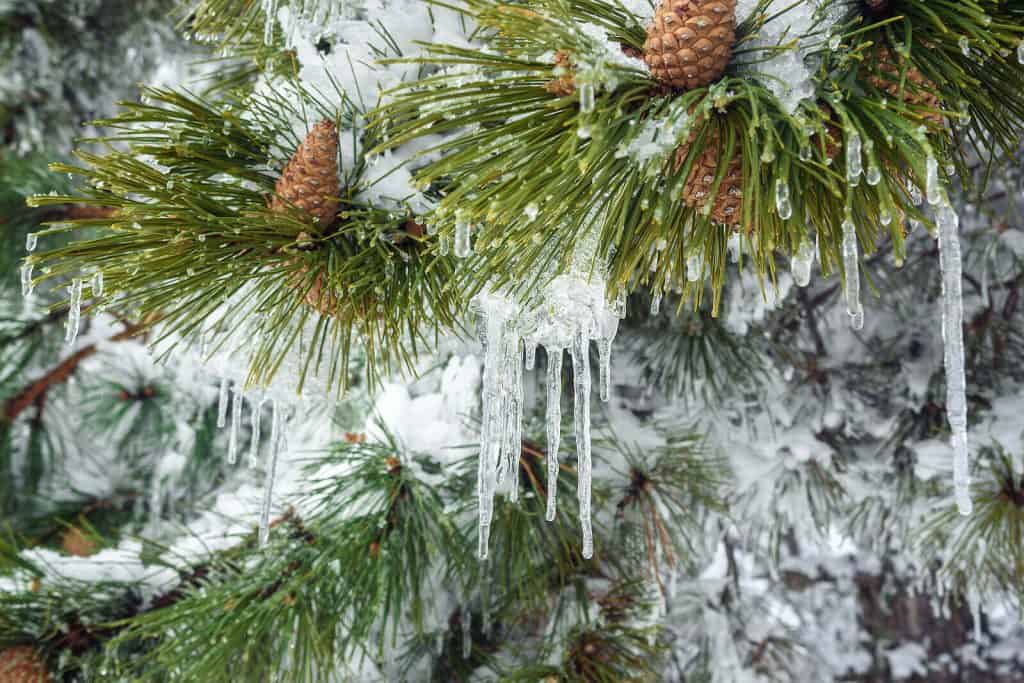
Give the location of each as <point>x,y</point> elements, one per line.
<point>268,481</point>
<point>554,423</point>
<point>656,303</point>
<point>965,46</point>
<point>222,404</point>
<point>587,97</point>
<point>853,158</point>
<point>26,278</point>
<point>467,633</point>
<point>933,189</point>
<point>1020,53</point>
<point>802,263</point>
<point>852,266</point>
<point>31,242</point>
<point>97,283</point>
<point>270,16</point>
<point>782,203</point>
<point>463,248</point>
<point>914,193</point>
<point>254,443</point>
<point>514,413</point>
<point>236,419</point>
<point>604,372</point>
<point>581,380</point>
<point>531,355</point>
<point>951,265</point>
<point>74,311</point>
<point>492,434</point>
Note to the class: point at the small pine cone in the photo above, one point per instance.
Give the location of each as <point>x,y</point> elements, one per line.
<point>689,42</point>
<point>76,542</point>
<point>918,91</point>
<point>310,179</point>
<point>727,205</point>
<point>565,84</point>
<point>23,664</point>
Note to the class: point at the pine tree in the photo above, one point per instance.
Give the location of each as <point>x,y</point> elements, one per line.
<point>282,365</point>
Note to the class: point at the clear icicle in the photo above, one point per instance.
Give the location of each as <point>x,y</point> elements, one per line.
<point>951,265</point>
<point>656,303</point>
<point>467,633</point>
<point>933,188</point>
<point>854,159</point>
<point>802,262</point>
<point>31,242</point>
<point>1020,53</point>
<point>236,419</point>
<point>222,404</point>
<point>74,311</point>
<point>782,202</point>
<point>271,473</point>
<point>26,278</point>
<point>554,424</point>
<point>494,388</point>
<point>604,353</point>
<point>97,283</point>
<point>254,443</point>
<point>851,264</point>
<point>463,248</point>
<point>531,356</point>
<point>581,380</point>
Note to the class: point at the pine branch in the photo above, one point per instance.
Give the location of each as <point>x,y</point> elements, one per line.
<point>36,391</point>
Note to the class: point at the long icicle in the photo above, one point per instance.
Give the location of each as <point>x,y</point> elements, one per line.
<point>851,264</point>
<point>222,403</point>
<point>554,424</point>
<point>581,382</point>
<point>254,443</point>
<point>236,419</point>
<point>268,482</point>
<point>951,265</point>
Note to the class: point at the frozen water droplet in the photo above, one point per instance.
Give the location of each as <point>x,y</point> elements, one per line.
<point>97,283</point>
<point>933,187</point>
<point>884,216</point>
<point>802,263</point>
<point>587,97</point>
<point>853,157</point>
<point>532,211</point>
<point>782,202</point>
<point>26,278</point>
<point>463,248</point>
<point>851,264</point>
<point>74,311</point>
<point>914,193</point>
<point>442,245</point>
<point>806,153</point>
<point>31,242</point>
<point>833,42</point>
<point>1020,53</point>
<point>874,174</point>
<point>656,303</point>
<point>965,46</point>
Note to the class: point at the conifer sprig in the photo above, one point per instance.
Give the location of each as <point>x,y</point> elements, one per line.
<point>193,230</point>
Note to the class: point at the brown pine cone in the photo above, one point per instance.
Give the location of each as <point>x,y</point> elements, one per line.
<point>310,179</point>
<point>23,664</point>
<point>689,42</point>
